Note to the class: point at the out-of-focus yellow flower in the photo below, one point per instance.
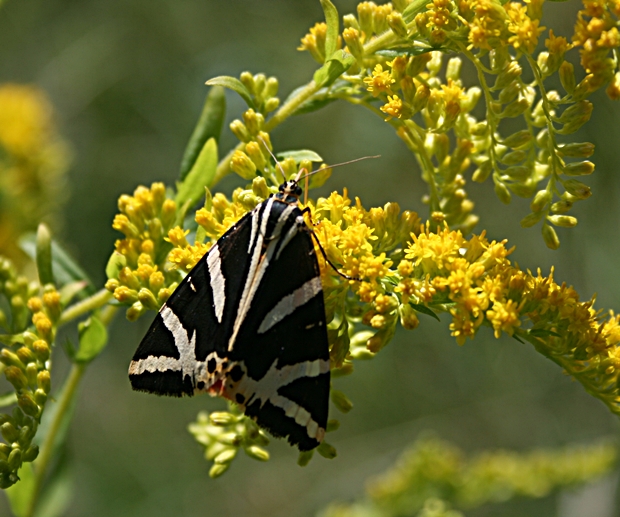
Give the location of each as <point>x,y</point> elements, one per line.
<point>33,163</point>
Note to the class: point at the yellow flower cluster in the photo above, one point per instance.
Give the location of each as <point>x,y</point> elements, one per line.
<point>33,163</point>
<point>24,360</point>
<point>137,273</point>
<point>423,101</point>
<point>436,468</point>
<point>597,37</point>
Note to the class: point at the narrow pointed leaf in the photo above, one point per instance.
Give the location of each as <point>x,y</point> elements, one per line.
<point>209,126</point>
<point>192,188</point>
<point>234,84</point>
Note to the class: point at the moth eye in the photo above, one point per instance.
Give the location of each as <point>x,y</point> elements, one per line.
<point>200,385</point>
<point>211,365</point>
<point>239,398</point>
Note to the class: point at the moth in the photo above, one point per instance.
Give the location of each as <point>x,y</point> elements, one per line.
<point>248,324</point>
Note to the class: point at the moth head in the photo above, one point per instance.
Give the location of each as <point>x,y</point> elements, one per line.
<point>291,188</point>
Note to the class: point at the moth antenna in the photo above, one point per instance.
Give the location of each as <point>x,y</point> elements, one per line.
<point>342,163</point>
<point>274,158</point>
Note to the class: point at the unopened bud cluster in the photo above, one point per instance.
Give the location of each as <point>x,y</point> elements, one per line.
<point>31,324</point>
<point>223,434</point>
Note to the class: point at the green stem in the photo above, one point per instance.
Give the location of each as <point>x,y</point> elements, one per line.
<point>47,448</point>
<point>97,300</point>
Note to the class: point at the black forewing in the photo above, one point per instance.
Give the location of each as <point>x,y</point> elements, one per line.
<point>192,303</point>
<point>299,337</point>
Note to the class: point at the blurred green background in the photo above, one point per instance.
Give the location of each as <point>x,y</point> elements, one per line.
<point>127,81</point>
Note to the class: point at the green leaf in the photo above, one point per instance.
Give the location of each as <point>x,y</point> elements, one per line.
<point>116,262</point>
<point>333,28</point>
<point>192,188</point>
<point>424,310</point>
<point>64,268</point>
<point>44,255</point>
<point>234,84</point>
<point>414,8</point>
<point>300,155</point>
<point>93,339</point>
<point>314,104</point>
<point>20,493</point>
<point>209,126</point>
<point>333,68</point>
<point>69,291</point>
<point>8,399</point>
<point>543,333</point>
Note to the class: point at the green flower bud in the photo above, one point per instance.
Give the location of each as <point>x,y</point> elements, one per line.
<point>518,172</point>
<point>135,311</point>
<point>226,456</point>
<point>326,450</point>
<point>9,358</point>
<point>341,401</point>
<point>40,397</point>
<point>240,131</point>
<point>31,374</point>
<point>509,93</point>
<point>502,192</point>
<point>514,157</point>
<point>361,354</point>
<point>518,139</point>
<point>214,449</point>
<point>577,150</point>
<point>577,189</point>
<point>471,99</point>
<point>420,99</point>
<point>365,17</point>
<point>525,189</point>
<point>304,458</point>
<point>253,121</point>
<point>417,64</point>
<point>541,199</point>
<point>31,454</point>
<point>408,317</point>
<point>147,298</point>
<point>9,433</point>
<point>28,405</point>
<point>344,370</point>
<point>483,171</point>
<point>5,450</point>
<point>531,219</point>
<point>44,381</point>
<point>350,21</point>
<point>508,75</point>
<point>248,81</point>
<point>271,87</point>
<point>15,459</point>
<point>564,221</point>
<point>272,104</point>
<point>4,469</point>
<point>222,418</point>
<point>260,81</point>
<point>578,168</point>
<point>397,24</point>
<point>230,439</point>
<point>16,377</point>
<point>567,77</point>
<point>550,237</point>
<point>218,469</point>
<point>515,108</point>
<point>41,350</point>
<point>578,112</point>
<point>562,206</point>
<point>256,452</point>
<point>255,152</point>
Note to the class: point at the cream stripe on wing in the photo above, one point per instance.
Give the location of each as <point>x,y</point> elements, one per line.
<point>218,283</point>
<point>289,303</point>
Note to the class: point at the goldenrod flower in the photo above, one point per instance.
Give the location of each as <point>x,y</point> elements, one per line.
<point>380,81</point>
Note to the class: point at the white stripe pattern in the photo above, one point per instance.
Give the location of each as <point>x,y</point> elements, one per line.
<point>218,283</point>
<point>289,303</point>
<point>186,363</point>
<point>266,389</point>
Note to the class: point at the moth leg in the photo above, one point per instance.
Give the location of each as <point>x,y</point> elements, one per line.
<point>343,275</point>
